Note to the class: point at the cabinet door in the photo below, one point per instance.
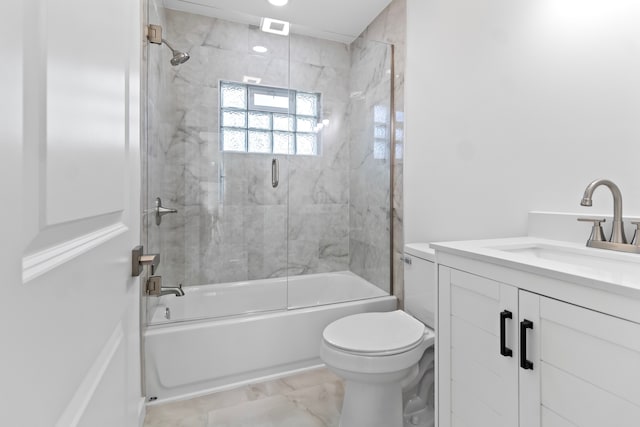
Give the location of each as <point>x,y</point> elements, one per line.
<point>477,385</point>
<point>586,367</point>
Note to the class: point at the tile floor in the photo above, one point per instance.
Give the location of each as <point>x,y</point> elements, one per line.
<point>308,399</point>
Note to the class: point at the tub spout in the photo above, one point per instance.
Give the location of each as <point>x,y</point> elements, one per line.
<point>177,291</point>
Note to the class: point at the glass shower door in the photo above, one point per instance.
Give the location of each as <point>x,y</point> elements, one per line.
<point>210,156</point>
<point>340,193</point>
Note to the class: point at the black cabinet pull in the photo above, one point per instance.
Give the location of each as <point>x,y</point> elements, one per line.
<point>524,363</point>
<point>504,350</point>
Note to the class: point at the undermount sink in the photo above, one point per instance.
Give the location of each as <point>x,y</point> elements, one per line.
<point>582,257</point>
<point>567,261</point>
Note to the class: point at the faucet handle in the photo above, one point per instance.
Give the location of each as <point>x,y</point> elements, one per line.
<point>636,237</point>
<point>597,234</point>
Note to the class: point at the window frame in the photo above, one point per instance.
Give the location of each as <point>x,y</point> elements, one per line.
<point>271,91</point>
<point>291,116</point>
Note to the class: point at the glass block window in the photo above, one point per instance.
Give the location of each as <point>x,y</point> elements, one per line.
<point>380,132</point>
<point>270,120</point>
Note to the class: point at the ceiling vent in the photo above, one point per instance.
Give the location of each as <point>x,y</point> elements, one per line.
<point>274,26</point>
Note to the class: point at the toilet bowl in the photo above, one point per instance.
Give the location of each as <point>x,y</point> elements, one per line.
<point>377,355</point>
<point>386,359</point>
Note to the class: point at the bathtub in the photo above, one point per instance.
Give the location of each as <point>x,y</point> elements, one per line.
<point>198,344</point>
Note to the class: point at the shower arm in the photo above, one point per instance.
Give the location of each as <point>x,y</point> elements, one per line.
<point>169,46</point>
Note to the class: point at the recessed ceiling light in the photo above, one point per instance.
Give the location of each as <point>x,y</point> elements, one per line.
<point>260,49</point>
<point>269,25</point>
<point>278,2</point>
<point>251,80</point>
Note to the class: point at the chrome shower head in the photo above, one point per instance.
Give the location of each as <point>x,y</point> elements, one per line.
<point>178,56</point>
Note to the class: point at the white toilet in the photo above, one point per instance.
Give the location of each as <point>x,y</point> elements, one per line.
<point>386,359</point>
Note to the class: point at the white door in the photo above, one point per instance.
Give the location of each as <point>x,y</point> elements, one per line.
<point>69,213</point>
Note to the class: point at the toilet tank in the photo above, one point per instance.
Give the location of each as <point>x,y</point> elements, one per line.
<point>420,282</point>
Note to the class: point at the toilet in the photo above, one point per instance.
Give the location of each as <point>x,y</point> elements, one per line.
<point>386,359</point>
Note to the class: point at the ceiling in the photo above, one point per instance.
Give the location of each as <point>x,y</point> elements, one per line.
<point>337,20</point>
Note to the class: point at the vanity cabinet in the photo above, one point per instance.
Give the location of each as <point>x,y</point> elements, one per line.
<point>511,357</point>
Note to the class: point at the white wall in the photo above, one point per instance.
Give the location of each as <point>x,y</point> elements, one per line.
<point>516,105</point>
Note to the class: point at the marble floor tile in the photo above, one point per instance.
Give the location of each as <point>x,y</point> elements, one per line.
<point>310,378</point>
<point>323,402</point>
<point>309,399</point>
<point>275,411</point>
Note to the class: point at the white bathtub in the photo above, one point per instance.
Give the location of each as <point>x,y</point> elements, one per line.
<point>209,347</point>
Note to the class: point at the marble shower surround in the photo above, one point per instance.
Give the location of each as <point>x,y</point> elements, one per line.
<point>390,27</point>
<point>329,214</point>
<point>231,224</point>
<point>369,204</point>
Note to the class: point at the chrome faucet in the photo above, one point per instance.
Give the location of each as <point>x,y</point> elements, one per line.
<point>155,288</point>
<point>177,291</point>
<point>617,231</point>
<point>617,241</point>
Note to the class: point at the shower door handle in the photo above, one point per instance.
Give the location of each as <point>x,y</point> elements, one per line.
<point>275,172</point>
<point>162,211</point>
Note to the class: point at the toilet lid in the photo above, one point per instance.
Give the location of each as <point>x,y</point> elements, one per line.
<point>388,333</point>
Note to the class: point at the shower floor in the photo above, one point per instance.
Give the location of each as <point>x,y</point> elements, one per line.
<point>310,399</point>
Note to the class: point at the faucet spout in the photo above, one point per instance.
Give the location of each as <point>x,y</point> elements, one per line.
<point>177,291</point>
<point>617,231</point>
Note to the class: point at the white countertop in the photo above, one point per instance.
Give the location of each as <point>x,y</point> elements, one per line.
<point>606,270</point>
<point>420,250</point>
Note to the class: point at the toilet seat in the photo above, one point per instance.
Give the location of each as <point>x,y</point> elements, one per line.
<point>375,334</point>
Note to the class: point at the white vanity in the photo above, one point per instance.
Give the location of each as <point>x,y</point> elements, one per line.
<point>535,332</point>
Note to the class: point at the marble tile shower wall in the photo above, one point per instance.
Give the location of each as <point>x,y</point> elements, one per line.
<point>232,225</point>
<point>389,27</point>
<point>369,109</point>
<point>318,186</point>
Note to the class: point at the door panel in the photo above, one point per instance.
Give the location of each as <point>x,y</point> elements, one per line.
<point>85,109</point>
<point>68,295</point>
<point>10,219</point>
